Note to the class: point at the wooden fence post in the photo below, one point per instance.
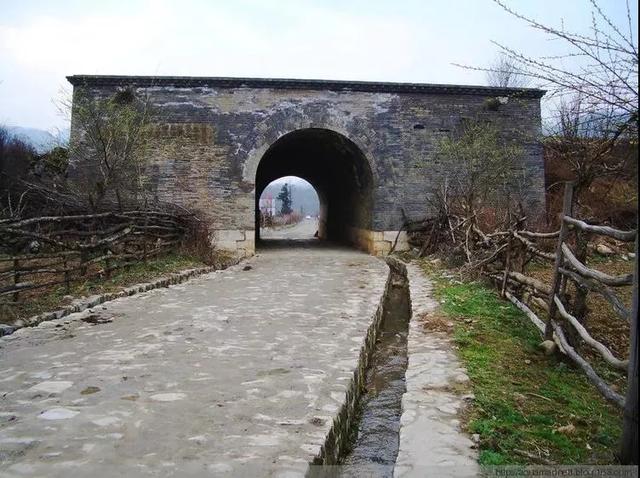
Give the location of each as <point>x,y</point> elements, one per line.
<point>507,265</point>
<point>557,276</point>
<point>107,265</point>
<point>16,278</point>
<point>83,260</point>
<point>67,282</point>
<point>629,449</point>
<point>144,238</point>
<point>580,302</point>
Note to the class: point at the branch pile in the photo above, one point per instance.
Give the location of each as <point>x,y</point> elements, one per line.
<point>503,256</point>
<point>42,252</point>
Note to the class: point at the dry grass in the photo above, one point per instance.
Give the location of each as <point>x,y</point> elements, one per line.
<point>44,300</point>
<point>434,322</point>
<point>602,321</point>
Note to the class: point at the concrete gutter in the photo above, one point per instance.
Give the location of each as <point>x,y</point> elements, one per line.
<point>338,436</point>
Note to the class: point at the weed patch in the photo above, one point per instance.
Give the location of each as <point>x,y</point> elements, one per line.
<point>528,408</point>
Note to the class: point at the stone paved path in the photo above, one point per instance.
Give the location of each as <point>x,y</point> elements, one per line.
<point>237,372</point>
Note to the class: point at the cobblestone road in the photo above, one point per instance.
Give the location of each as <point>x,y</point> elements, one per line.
<point>237,372</point>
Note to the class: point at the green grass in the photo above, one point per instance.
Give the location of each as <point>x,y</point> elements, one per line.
<point>121,278</point>
<point>522,396</point>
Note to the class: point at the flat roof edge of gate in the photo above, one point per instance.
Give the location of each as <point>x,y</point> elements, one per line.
<point>301,84</point>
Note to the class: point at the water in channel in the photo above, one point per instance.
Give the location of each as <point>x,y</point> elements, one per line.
<point>374,444</point>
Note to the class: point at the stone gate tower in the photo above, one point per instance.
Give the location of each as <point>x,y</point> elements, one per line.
<point>367,148</point>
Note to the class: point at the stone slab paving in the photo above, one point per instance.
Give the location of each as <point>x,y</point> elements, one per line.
<point>431,442</point>
<point>238,372</point>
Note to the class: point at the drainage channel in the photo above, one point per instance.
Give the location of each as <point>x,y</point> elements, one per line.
<point>374,440</point>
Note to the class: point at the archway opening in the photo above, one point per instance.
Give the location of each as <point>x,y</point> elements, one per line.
<point>289,209</point>
<point>338,171</point>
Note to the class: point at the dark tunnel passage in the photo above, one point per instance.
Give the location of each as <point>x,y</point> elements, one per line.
<point>335,167</point>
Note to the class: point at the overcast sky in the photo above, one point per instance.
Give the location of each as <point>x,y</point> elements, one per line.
<point>41,42</point>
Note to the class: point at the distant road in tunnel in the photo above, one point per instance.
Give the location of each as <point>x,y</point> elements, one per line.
<point>305,229</point>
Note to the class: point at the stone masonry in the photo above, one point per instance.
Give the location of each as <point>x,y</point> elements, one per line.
<point>372,155</point>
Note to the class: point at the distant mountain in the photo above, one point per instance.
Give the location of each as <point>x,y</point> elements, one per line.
<point>40,139</point>
<point>303,196</point>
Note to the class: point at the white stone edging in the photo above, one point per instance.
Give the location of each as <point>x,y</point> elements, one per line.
<point>84,303</point>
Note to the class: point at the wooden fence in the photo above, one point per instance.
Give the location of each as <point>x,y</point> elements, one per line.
<point>504,257</point>
<point>564,318</point>
<point>44,252</point>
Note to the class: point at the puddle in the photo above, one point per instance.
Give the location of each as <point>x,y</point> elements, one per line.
<point>373,446</point>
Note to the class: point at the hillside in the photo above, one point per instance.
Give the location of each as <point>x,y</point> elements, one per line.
<point>40,139</point>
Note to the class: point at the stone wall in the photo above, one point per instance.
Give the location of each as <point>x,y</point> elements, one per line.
<point>211,134</point>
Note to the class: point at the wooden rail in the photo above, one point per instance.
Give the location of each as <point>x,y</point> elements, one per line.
<point>503,256</point>
<point>568,266</point>
<point>604,351</point>
<point>584,271</point>
<point>625,236</point>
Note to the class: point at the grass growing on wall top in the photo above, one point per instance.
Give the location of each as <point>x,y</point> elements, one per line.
<point>528,408</point>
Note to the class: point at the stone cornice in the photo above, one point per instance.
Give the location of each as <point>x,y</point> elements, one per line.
<point>295,84</point>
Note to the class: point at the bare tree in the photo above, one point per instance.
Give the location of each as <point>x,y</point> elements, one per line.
<point>107,154</point>
<point>587,143</point>
<point>599,72</point>
<point>16,161</point>
<point>503,73</point>
<point>481,168</point>
<point>601,66</point>
<point>483,182</point>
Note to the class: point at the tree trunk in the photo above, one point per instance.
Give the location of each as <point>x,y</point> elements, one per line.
<point>629,449</point>
<point>119,199</point>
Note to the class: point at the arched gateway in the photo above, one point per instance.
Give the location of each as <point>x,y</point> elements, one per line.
<point>367,148</point>
<point>338,171</point>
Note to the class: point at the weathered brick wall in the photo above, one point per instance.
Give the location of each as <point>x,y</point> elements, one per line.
<point>211,135</point>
